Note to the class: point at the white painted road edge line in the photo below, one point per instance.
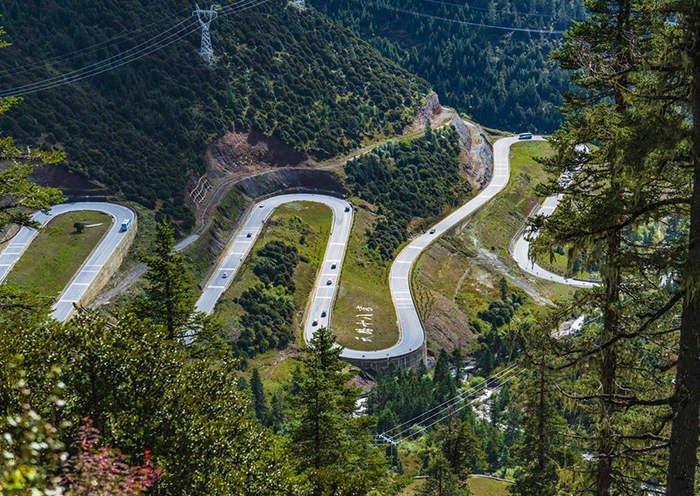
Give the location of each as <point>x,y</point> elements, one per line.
<point>91,266</point>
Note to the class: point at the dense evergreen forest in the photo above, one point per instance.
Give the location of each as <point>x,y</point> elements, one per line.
<point>408,179</point>
<point>502,79</point>
<point>142,129</point>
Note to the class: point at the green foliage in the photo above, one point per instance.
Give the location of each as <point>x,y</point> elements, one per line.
<point>417,178</point>
<point>169,299</point>
<point>400,395</point>
<point>496,349</point>
<point>501,79</point>
<point>541,452</point>
<point>451,453</point>
<point>262,412</point>
<point>275,263</point>
<point>267,321</point>
<point>610,371</point>
<point>271,297</point>
<point>144,391</point>
<point>142,129</point>
<point>329,444</point>
<point>32,452</point>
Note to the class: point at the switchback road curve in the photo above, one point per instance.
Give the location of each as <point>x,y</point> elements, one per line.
<point>239,247</point>
<point>410,345</point>
<point>91,267</point>
<point>411,334</point>
<point>521,248</point>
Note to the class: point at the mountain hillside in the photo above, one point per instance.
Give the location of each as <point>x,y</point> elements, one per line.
<point>502,78</point>
<point>142,129</point>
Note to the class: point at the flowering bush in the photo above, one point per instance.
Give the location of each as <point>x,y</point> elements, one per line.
<point>103,470</point>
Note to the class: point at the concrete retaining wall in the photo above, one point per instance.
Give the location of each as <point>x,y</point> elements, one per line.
<point>407,361</point>
<point>112,265</point>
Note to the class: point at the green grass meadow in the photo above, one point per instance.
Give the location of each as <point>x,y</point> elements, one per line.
<point>57,252</point>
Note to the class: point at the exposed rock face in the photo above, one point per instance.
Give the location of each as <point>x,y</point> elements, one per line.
<point>241,150</point>
<point>478,150</point>
<point>429,110</point>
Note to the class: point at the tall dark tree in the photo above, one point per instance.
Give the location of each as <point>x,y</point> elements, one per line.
<point>169,299</point>
<point>330,445</point>
<point>614,189</point>
<point>540,453</point>
<point>259,399</point>
<point>452,453</point>
<point>677,71</point>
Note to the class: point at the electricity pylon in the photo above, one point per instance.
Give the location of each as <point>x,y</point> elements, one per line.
<point>300,4</point>
<point>205,17</point>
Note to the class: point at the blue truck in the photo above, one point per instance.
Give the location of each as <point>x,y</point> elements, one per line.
<point>125,225</point>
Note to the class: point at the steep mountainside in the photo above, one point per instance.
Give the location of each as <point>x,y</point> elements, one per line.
<point>501,78</point>
<point>142,129</point>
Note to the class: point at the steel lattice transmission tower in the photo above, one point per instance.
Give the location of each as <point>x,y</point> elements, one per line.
<point>300,4</point>
<point>205,17</point>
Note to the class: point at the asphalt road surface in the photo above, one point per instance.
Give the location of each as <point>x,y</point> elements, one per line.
<point>521,248</point>
<point>86,275</point>
<point>239,247</point>
<point>411,334</point>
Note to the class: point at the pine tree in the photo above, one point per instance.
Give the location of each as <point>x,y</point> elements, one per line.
<point>277,413</point>
<point>452,453</point>
<point>259,399</point>
<point>169,298</point>
<point>677,71</point>
<point>458,362</point>
<point>329,444</point>
<point>614,189</point>
<point>540,452</point>
<point>442,378</point>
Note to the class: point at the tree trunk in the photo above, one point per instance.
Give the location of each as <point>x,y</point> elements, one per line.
<point>684,429</point>
<point>608,365</point>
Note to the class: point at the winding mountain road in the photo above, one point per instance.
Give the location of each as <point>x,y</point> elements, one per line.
<point>93,264</point>
<point>243,240</point>
<point>411,334</point>
<point>521,248</point>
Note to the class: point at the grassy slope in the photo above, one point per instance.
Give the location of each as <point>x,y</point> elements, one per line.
<point>58,252</point>
<point>479,486</point>
<point>456,278</point>
<point>317,224</point>
<point>363,283</point>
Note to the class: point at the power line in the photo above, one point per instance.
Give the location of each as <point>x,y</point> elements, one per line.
<point>423,429</point>
<point>134,53</point>
<point>80,51</point>
<point>457,397</point>
<point>503,376</point>
<point>157,42</point>
<point>464,23</point>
